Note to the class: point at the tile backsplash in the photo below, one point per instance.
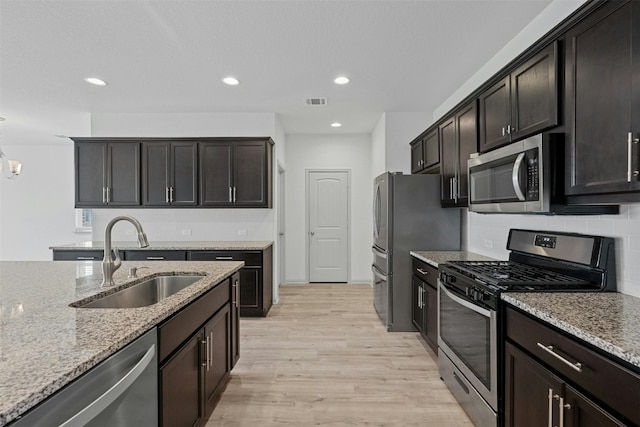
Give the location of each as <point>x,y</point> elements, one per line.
<point>487,234</point>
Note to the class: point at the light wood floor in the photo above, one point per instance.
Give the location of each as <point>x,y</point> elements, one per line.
<point>322,357</point>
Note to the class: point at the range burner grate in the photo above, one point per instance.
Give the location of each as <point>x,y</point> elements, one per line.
<point>509,274</point>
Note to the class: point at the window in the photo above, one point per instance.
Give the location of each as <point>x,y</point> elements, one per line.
<point>83,221</point>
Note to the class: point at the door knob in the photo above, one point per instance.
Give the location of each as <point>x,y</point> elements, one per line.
<point>313,233</point>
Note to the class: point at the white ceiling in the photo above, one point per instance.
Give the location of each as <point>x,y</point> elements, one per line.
<point>169,56</point>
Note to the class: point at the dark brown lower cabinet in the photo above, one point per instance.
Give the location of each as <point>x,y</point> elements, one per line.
<point>215,365</point>
<point>425,302</point>
<point>553,379</point>
<point>234,353</point>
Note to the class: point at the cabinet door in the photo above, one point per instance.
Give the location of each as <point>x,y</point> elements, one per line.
<point>123,174</point>
<point>431,150</point>
<point>529,391</point>
<point>467,143</point>
<point>250,174</point>
<point>417,157</point>
<point>90,165</point>
<point>216,174</point>
<point>250,297</point>
<point>181,385</point>
<point>602,73</point>
<point>449,160</point>
<point>156,157</point>
<point>216,368</point>
<point>495,115</point>
<point>580,411</point>
<point>431,316</point>
<point>417,291</point>
<point>184,174</point>
<point>235,320</point>
<point>534,94</point>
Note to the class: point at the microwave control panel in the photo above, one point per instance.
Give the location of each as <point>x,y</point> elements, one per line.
<point>533,174</point>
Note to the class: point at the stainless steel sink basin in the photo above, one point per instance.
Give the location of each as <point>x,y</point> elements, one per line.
<point>145,293</point>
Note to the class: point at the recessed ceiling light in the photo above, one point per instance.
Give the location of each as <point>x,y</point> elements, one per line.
<point>231,81</point>
<point>336,125</point>
<point>341,80</point>
<point>95,81</point>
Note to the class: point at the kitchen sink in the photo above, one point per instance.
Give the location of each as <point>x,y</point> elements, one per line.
<point>142,294</point>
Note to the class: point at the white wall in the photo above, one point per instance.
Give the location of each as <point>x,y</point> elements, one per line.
<point>400,129</point>
<point>351,152</point>
<point>378,149</point>
<point>36,209</point>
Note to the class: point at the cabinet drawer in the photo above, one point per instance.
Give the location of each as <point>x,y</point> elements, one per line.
<point>83,255</point>
<point>147,255</point>
<point>253,259</point>
<point>177,329</point>
<point>427,273</point>
<point>600,377</point>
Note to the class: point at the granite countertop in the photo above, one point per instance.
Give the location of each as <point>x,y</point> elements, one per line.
<point>440,257</point>
<point>609,321</point>
<point>45,344</point>
<point>177,245</point>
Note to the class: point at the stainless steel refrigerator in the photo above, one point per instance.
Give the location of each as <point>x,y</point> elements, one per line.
<point>406,217</point>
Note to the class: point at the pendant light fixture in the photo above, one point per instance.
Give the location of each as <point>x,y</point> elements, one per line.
<point>15,167</point>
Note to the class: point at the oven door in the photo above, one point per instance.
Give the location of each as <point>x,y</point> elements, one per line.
<point>467,335</point>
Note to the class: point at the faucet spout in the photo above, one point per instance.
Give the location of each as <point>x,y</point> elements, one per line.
<point>109,265</point>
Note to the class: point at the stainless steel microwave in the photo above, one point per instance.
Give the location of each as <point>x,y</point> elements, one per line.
<point>524,177</point>
<point>512,179</point>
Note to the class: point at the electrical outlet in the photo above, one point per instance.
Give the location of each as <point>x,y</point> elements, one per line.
<point>186,232</point>
<point>242,232</point>
<point>129,232</point>
<point>488,243</point>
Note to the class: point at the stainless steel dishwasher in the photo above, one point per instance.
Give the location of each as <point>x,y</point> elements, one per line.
<point>120,391</point>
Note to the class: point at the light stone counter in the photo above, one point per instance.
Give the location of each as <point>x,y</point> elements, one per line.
<point>435,258</point>
<point>609,321</point>
<point>45,344</point>
<point>168,246</point>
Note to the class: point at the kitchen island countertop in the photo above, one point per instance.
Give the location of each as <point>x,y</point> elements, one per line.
<point>169,245</point>
<point>607,320</point>
<point>45,343</point>
<point>435,258</point>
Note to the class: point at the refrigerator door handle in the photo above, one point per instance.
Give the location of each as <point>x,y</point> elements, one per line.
<point>376,211</point>
<point>378,274</point>
<point>378,253</point>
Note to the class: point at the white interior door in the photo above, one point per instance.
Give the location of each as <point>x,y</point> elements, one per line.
<point>328,220</point>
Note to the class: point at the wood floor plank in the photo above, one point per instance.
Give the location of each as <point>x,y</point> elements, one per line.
<point>322,357</point>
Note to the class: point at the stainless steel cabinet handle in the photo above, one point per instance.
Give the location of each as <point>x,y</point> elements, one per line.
<point>230,195</point>
<point>503,132</point>
<point>208,352</point>
<point>419,296</point>
<point>562,407</point>
<point>155,258</point>
<point>211,351</point>
<point>629,153</point>
<point>171,194</point>
<point>509,129</point>
<point>234,194</point>
<point>237,293</point>
<point>421,271</point>
<point>550,349</point>
<point>224,258</point>
<point>166,194</point>
<point>108,194</point>
<point>104,194</point>
<point>423,292</point>
<point>204,352</point>
<point>550,406</point>
<point>96,407</point>
<point>86,258</point>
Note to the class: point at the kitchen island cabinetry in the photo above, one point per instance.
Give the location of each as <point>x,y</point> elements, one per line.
<point>459,139</point>
<point>552,376</point>
<point>107,173</point>
<point>425,153</point>
<point>603,104</point>
<point>169,171</point>
<point>522,103</point>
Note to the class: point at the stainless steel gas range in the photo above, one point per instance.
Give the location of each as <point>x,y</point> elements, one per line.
<point>470,315</point>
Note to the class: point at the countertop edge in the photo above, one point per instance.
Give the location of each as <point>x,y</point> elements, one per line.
<point>256,245</point>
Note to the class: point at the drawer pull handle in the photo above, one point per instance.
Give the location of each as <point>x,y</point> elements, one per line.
<point>550,349</point>
<point>155,258</point>
<point>421,271</point>
<point>86,258</point>
<point>224,258</point>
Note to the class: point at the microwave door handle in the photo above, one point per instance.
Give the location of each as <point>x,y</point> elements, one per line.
<point>515,175</point>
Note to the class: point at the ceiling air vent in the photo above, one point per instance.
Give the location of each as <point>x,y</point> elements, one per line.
<point>315,102</point>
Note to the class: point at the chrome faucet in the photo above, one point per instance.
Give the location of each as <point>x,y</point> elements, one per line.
<point>109,265</point>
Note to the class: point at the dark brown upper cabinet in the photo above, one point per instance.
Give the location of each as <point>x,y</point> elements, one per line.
<point>459,139</point>
<point>107,173</point>
<point>425,153</point>
<point>603,104</point>
<point>169,171</point>
<point>236,173</point>
<point>521,104</point>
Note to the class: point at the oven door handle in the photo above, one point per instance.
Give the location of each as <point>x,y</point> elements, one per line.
<point>467,304</point>
<point>515,177</point>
